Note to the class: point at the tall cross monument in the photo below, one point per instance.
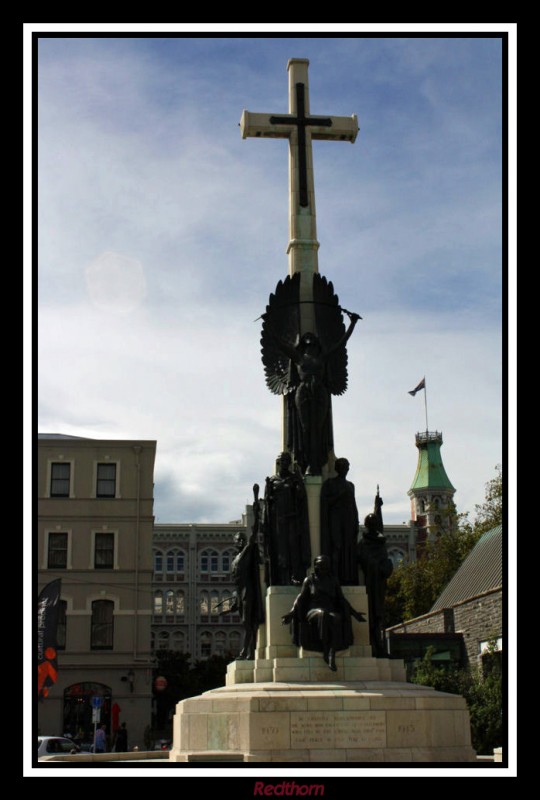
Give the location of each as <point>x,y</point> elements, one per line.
<point>304,305</point>
<point>303,350</point>
<point>300,128</point>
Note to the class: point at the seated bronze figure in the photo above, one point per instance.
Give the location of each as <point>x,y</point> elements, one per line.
<point>321,615</point>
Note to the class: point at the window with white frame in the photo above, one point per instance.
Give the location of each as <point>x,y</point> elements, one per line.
<point>57,554</point>
<point>60,479</point>
<point>106,480</point>
<point>158,603</point>
<point>104,551</point>
<point>175,562</point>
<point>102,625</point>
<point>209,561</point>
<point>158,561</point>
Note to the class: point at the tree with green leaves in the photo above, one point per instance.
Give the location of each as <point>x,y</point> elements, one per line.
<point>482,693</point>
<point>414,587</point>
<point>490,513</point>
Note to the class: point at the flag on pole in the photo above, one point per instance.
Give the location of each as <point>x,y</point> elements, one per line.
<point>48,606</point>
<point>421,385</point>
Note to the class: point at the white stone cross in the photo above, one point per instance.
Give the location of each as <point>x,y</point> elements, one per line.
<point>300,128</point>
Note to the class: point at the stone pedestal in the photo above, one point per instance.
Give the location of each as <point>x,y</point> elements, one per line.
<point>274,639</point>
<point>323,722</point>
<point>288,706</point>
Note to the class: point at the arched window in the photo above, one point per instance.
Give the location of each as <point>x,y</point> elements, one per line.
<point>204,561</point>
<point>178,641</point>
<point>158,602</point>
<point>180,561</point>
<point>234,643</point>
<point>180,602</point>
<point>226,604</point>
<point>203,604</point>
<point>163,640</point>
<point>226,560</point>
<point>169,602</point>
<point>214,600</point>
<point>206,644</point>
<point>209,561</point>
<point>102,625</point>
<point>220,640</point>
<point>173,562</point>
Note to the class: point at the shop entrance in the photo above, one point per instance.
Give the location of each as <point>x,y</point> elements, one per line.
<point>78,710</point>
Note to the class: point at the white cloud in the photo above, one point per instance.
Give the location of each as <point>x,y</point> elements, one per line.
<point>140,155</point>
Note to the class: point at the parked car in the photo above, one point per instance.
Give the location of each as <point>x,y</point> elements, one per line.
<point>53,745</point>
<point>163,744</point>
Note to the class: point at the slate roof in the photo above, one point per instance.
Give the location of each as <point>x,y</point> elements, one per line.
<point>481,571</point>
<point>60,436</point>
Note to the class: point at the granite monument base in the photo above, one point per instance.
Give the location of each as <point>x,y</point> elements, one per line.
<point>328,721</point>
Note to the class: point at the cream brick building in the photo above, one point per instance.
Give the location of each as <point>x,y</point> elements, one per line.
<point>94,532</point>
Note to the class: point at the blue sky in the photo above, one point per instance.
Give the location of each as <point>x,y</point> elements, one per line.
<point>161,234</point>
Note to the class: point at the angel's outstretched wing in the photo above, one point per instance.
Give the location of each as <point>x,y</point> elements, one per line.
<point>330,330</point>
<point>282,321</point>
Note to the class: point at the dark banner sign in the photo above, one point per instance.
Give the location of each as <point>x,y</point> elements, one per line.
<point>48,606</point>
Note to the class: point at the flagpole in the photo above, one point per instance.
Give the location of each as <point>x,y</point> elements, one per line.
<point>425,403</point>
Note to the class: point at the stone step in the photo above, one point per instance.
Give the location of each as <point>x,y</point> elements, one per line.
<point>313,668</point>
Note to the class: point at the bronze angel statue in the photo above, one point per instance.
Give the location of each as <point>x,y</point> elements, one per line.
<point>307,368</point>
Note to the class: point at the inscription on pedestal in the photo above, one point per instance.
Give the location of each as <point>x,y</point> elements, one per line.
<point>316,730</point>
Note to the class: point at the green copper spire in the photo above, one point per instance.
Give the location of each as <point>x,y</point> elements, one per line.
<point>430,472</point>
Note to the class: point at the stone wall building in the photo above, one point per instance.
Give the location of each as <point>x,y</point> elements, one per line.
<point>191,587</point>
<point>94,532</point>
<point>471,605</point>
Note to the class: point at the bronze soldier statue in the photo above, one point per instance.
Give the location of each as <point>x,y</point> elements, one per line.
<point>340,525</point>
<point>247,597</point>
<point>286,526</point>
<point>377,568</point>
